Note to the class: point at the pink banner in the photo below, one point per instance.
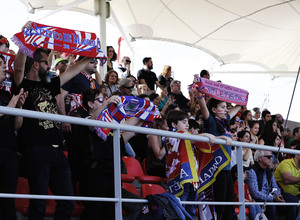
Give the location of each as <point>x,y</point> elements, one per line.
<point>221,91</point>
<point>58,39</point>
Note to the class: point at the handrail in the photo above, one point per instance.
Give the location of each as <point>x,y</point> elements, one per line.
<point>117,127</point>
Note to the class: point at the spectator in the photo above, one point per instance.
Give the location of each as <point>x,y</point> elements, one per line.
<point>97,169</point>
<point>253,209</point>
<point>245,136</point>
<point>296,136</point>
<point>104,89</point>
<point>111,79</point>
<point>256,114</point>
<point>146,76</point>
<point>287,135</point>
<point>233,148</point>
<point>287,175</point>
<point>177,95</point>
<point>157,150</point>
<point>265,117</point>
<point>42,139</point>
<point>216,121</point>
<point>154,97</point>
<point>183,186</point>
<point>134,81</point>
<point>163,94</point>
<point>205,74</point>
<point>194,127</point>
<point>165,78</point>
<point>60,65</point>
<point>259,177</point>
<point>77,85</point>
<point>126,86</point>
<point>246,117</point>
<point>8,150</point>
<point>270,128</point>
<point>254,128</point>
<point>111,56</point>
<point>194,108</point>
<point>274,139</point>
<point>124,68</point>
<point>4,44</point>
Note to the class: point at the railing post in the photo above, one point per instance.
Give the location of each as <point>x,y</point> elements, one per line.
<point>117,174</point>
<point>241,182</point>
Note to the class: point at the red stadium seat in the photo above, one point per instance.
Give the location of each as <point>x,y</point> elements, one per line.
<point>130,188</point>
<point>237,211</point>
<point>127,178</point>
<point>22,204</point>
<point>134,168</point>
<point>151,189</point>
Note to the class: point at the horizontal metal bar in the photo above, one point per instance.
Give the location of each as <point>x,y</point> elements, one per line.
<point>123,127</point>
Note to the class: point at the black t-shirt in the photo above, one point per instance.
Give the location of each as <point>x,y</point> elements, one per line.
<point>181,101</point>
<point>149,77</point>
<point>41,97</point>
<point>91,152</point>
<point>8,137</point>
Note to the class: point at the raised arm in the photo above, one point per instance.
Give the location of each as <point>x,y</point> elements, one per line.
<point>74,70</point>
<point>203,106</point>
<point>234,111</point>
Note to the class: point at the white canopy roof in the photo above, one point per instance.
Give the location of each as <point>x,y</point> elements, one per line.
<point>266,33</point>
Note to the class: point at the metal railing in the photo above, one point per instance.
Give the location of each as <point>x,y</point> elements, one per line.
<point>117,166</point>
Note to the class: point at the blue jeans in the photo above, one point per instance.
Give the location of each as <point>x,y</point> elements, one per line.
<point>189,194</point>
<point>48,167</point>
<point>253,210</point>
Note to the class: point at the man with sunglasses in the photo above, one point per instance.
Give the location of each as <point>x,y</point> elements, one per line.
<point>126,86</point>
<point>259,177</point>
<point>124,68</point>
<point>41,140</point>
<point>287,175</point>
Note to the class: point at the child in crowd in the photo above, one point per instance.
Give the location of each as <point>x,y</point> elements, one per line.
<point>253,209</point>
<point>182,165</point>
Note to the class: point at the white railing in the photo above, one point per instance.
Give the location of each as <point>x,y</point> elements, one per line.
<point>117,166</point>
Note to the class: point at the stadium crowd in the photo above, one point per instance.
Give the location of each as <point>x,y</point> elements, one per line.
<point>52,82</point>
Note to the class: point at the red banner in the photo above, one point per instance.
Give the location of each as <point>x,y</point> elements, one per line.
<point>9,59</point>
<point>58,39</point>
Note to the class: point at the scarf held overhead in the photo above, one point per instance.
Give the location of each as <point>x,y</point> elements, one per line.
<point>220,91</point>
<point>129,106</point>
<point>58,39</point>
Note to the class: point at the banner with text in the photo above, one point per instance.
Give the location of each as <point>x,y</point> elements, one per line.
<point>58,39</point>
<point>220,91</point>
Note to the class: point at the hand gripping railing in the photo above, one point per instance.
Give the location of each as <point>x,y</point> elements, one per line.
<point>117,167</point>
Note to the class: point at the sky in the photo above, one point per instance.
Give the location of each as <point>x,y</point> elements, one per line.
<point>265,90</point>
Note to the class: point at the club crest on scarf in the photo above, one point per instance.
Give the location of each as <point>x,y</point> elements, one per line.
<point>129,107</point>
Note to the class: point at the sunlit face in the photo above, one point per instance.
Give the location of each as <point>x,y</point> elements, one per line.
<point>127,89</point>
<point>255,129</point>
<point>164,92</point>
<point>246,138</point>
<point>110,52</point>
<point>274,126</point>
<point>197,107</point>
<point>221,110</point>
<point>266,159</point>
<point>4,48</point>
<point>156,101</point>
<point>104,90</point>
<point>182,125</point>
<point>43,67</point>
<point>113,78</point>
<point>2,70</point>
<point>234,136</point>
<point>176,88</point>
<point>91,68</point>
<point>248,117</point>
<point>268,117</point>
<point>149,64</point>
<point>277,141</point>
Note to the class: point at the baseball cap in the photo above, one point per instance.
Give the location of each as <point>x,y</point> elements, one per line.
<point>60,60</point>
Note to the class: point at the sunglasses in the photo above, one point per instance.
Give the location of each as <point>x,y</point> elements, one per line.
<point>128,61</point>
<point>268,156</point>
<point>238,120</point>
<point>43,61</point>
<point>131,87</point>
<point>93,60</point>
<point>177,81</point>
<point>104,86</point>
<point>99,99</point>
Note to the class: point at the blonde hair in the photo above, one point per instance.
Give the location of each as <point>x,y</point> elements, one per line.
<point>166,69</point>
